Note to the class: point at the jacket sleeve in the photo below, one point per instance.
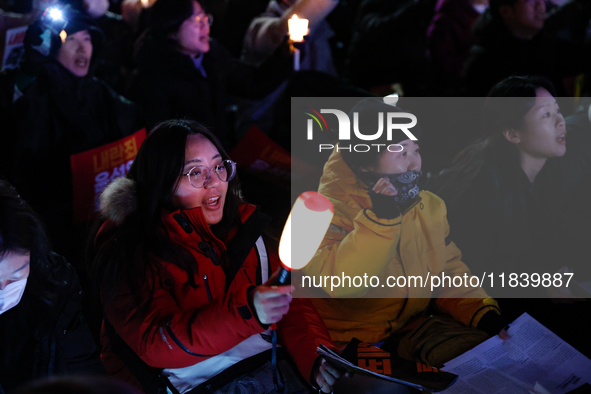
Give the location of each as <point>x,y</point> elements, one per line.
<point>267,32</point>
<point>443,47</point>
<point>165,336</point>
<point>465,304</point>
<point>77,349</point>
<point>9,20</point>
<point>263,36</point>
<point>346,253</point>
<point>301,331</point>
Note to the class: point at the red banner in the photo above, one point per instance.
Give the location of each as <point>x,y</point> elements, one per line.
<point>93,170</point>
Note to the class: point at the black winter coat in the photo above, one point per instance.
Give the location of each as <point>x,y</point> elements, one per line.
<point>498,54</point>
<point>45,334</point>
<point>504,223</point>
<point>389,44</point>
<point>168,85</point>
<point>60,115</point>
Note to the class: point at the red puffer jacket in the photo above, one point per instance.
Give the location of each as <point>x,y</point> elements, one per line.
<point>184,326</point>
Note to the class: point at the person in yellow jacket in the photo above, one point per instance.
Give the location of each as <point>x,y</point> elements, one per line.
<point>385,226</point>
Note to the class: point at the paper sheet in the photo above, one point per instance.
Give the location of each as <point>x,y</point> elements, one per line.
<point>534,359</point>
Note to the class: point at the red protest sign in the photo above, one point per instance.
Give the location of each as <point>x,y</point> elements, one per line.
<point>94,169</point>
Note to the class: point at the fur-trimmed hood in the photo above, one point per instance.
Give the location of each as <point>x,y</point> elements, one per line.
<point>118,200</point>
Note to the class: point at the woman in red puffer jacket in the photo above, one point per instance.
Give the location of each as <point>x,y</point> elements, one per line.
<point>181,265</point>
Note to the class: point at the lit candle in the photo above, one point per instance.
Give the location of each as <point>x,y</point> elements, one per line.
<point>298,28</point>
<point>145,3</point>
<point>305,228</point>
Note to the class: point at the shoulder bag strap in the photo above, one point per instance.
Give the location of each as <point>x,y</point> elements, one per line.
<point>242,243</point>
<point>150,378</point>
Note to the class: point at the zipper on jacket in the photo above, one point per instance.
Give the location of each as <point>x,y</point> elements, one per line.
<point>207,289</point>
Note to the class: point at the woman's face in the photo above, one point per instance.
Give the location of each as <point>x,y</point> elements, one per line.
<point>211,198</point>
<point>544,133</point>
<point>409,159</point>
<point>76,52</point>
<point>13,268</point>
<point>193,36</point>
<point>14,271</point>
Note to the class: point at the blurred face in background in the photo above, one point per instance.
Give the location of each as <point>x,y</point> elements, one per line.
<point>525,18</point>
<point>96,8</point>
<point>193,36</point>
<point>76,52</point>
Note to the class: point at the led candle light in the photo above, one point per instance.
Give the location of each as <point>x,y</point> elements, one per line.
<point>54,19</point>
<point>305,228</point>
<point>298,28</point>
<point>55,14</point>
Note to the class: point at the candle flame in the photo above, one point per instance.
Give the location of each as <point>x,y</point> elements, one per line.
<point>297,28</point>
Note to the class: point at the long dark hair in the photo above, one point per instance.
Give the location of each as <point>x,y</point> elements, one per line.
<point>22,231</point>
<point>132,250</point>
<point>166,16</point>
<point>505,108</point>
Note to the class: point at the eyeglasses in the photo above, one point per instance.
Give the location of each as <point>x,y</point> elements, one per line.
<point>203,19</point>
<point>199,176</point>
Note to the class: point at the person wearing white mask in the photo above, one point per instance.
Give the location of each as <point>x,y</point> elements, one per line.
<point>42,330</point>
<point>14,272</point>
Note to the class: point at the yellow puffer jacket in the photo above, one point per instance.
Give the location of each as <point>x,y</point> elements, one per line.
<point>413,244</point>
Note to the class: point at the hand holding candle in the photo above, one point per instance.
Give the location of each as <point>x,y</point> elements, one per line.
<point>297,28</point>
<point>271,303</point>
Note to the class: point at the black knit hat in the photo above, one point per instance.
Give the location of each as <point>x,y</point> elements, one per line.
<point>368,111</point>
<point>78,21</point>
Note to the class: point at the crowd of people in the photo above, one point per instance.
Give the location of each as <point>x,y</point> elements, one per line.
<point>130,248</point>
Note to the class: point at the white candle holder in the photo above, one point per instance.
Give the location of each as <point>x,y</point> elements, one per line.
<point>297,28</point>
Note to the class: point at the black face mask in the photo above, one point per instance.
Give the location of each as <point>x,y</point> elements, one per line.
<point>406,183</point>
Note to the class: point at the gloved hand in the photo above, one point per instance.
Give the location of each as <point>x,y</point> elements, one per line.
<point>40,38</point>
<point>382,199</point>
